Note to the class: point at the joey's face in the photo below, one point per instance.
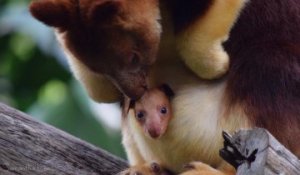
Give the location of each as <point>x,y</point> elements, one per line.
<point>116,38</point>
<point>153,112</point>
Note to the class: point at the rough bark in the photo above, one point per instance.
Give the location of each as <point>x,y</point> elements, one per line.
<point>257,152</point>
<point>28,147</point>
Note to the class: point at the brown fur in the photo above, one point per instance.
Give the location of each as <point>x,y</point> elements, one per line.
<point>264,76</point>
<point>106,37</point>
<point>185,13</point>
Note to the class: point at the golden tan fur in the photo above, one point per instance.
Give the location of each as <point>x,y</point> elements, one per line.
<point>200,45</point>
<point>147,169</point>
<point>198,168</point>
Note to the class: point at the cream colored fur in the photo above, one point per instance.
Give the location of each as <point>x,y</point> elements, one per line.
<point>194,133</point>
<point>133,153</point>
<point>201,44</point>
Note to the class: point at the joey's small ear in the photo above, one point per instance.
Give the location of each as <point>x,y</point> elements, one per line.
<point>104,10</point>
<point>55,13</point>
<point>167,90</point>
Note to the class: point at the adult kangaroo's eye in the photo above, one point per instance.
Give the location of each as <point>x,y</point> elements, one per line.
<point>134,58</point>
<point>163,110</point>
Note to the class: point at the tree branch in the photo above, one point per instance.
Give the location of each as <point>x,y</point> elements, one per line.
<point>28,147</point>
<point>257,152</point>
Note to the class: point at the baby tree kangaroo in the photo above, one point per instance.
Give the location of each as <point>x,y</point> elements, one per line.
<point>153,110</point>
<point>151,114</point>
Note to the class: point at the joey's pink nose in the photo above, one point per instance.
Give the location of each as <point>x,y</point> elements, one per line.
<point>154,132</point>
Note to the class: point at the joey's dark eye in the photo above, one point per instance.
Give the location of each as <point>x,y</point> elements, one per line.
<point>140,116</point>
<point>163,110</point>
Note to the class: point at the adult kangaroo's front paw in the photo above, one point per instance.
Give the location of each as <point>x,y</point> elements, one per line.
<point>146,169</point>
<point>199,168</point>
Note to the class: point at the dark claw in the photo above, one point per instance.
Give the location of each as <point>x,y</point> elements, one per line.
<point>138,173</point>
<point>155,167</point>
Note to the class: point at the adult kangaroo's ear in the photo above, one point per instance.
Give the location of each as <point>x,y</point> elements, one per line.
<point>131,104</point>
<point>126,105</point>
<point>54,13</point>
<point>104,10</point>
<point>167,90</point>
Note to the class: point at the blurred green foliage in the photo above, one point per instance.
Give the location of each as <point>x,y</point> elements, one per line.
<point>34,78</point>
